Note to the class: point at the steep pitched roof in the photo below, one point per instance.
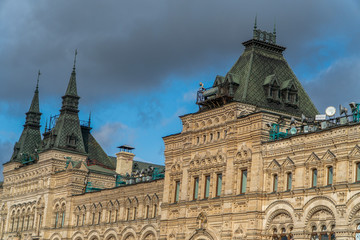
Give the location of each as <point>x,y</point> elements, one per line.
<point>262,65</point>
<point>30,138</point>
<point>66,133</point>
<point>257,66</point>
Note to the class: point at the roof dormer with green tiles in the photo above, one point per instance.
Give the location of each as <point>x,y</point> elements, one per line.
<point>260,77</point>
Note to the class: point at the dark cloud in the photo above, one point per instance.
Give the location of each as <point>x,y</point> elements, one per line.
<point>6,148</point>
<point>134,46</point>
<point>339,84</point>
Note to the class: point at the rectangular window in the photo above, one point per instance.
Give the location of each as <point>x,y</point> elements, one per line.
<point>63,219</point>
<point>207,187</point>
<point>243,181</point>
<point>56,219</point>
<point>127,214</point>
<point>275,183</point>
<point>289,181</point>
<point>134,217</point>
<point>147,212</point>
<point>314,178</point>
<point>330,175</point>
<point>218,185</point>
<point>196,188</point>
<point>109,220</point>
<point>155,210</point>
<point>358,172</point>
<point>177,191</point>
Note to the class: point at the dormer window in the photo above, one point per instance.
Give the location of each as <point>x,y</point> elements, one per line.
<point>71,140</point>
<point>272,88</point>
<point>290,93</point>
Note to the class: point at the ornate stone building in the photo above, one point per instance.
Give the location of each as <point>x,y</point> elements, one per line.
<point>252,163</point>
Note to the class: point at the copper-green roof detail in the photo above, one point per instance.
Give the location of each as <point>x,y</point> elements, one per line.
<point>67,131</point>
<point>72,89</point>
<point>30,138</point>
<point>261,64</point>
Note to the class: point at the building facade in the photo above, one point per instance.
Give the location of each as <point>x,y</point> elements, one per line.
<point>252,163</point>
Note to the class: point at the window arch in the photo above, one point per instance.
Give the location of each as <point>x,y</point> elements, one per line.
<point>357,232</point>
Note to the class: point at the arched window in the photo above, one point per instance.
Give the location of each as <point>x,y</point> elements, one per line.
<point>283,234</point>
<point>357,233</point>
<point>323,234</point>
<point>275,236</point>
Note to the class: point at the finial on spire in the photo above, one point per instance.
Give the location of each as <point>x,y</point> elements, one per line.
<point>37,81</point>
<point>46,123</point>
<point>75,59</point>
<point>274,32</point>
<point>255,24</point>
<point>89,118</point>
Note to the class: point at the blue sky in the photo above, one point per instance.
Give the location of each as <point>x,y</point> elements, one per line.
<point>140,62</point>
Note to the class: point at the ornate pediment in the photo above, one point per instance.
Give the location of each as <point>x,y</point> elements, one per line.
<point>274,164</point>
<point>288,162</point>
<point>313,158</point>
<point>355,151</point>
<point>328,155</point>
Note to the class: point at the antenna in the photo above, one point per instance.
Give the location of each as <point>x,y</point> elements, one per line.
<point>303,118</point>
<point>292,121</point>
<point>37,81</point>
<point>75,58</point>
<point>255,24</point>
<point>343,110</point>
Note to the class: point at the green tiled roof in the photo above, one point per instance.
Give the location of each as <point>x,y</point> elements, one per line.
<point>261,64</point>
<point>30,138</point>
<point>67,131</point>
<point>101,170</point>
<point>137,165</point>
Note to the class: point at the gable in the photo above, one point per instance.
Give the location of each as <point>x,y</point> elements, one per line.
<point>313,158</point>
<point>288,162</point>
<point>274,164</point>
<point>328,155</point>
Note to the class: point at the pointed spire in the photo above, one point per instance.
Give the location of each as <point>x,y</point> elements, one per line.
<point>274,32</point>
<point>75,59</point>
<point>71,89</point>
<point>89,118</point>
<point>255,24</point>
<point>34,107</point>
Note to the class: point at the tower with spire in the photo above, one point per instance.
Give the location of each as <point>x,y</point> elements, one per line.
<point>30,138</point>
<point>66,134</point>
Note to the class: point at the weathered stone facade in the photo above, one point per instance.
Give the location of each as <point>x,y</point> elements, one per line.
<point>224,178</point>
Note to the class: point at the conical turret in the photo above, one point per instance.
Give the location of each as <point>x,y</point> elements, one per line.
<point>66,133</point>
<point>26,147</point>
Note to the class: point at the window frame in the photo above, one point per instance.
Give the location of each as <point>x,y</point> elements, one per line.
<point>314,178</point>
<point>218,186</point>
<point>242,187</point>
<point>207,182</point>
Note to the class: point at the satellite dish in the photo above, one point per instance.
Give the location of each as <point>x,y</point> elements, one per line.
<point>293,131</point>
<point>330,111</point>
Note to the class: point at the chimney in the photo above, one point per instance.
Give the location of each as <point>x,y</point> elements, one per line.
<point>124,160</point>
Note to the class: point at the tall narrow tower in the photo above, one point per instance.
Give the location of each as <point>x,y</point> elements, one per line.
<point>30,138</point>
